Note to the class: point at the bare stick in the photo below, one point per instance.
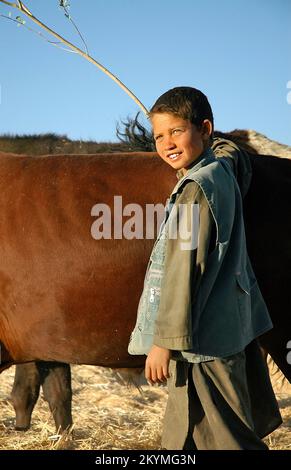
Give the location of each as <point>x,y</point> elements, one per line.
<point>21,7</point>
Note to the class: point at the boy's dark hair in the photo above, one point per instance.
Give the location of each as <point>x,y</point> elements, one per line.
<point>186,102</point>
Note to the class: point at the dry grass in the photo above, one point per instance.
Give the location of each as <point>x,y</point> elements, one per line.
<point>107,414</point>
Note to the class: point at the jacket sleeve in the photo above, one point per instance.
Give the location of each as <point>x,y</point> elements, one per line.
<point>239,160</point>
<point>182,273</point>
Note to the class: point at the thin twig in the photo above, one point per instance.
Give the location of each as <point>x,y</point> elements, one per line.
<point>39,33</point>
<point>68,15</point>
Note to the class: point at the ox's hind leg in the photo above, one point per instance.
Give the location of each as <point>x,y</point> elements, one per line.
<point>56,384</point>
<point>25,393</point>
<point>275,343</point>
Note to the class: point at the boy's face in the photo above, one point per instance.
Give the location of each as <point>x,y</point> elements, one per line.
<point>178,142</point>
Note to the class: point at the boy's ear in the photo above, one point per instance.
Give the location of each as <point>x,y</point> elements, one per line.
<point>207,128</point>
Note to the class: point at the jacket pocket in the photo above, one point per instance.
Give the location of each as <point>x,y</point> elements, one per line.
<point>243,282</point>
<point>246,282</point>
<point>244,300</point>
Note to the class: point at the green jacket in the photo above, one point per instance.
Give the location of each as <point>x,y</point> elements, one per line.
<point>204,303</point>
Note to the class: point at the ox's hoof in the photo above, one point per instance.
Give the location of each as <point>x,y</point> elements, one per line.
<point>22,428</point>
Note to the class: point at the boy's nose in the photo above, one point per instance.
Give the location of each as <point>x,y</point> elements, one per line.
<point>169,143</point>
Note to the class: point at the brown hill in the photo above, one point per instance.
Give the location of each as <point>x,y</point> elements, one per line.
<point>44,144</point>
<point>259,143</point>
<point>59,144</point>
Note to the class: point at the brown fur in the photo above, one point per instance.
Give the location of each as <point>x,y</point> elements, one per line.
<point>63,295</point>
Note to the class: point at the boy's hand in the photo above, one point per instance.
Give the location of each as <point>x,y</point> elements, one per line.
<point>157,365</point>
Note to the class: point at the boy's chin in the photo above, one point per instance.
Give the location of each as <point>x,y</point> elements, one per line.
<point>176,165</point>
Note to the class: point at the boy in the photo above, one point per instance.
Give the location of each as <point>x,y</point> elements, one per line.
<point>201,309</point>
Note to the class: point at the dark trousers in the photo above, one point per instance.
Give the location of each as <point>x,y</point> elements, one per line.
<point>224,404</point>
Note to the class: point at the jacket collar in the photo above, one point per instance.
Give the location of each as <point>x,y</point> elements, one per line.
<point>197,164</point>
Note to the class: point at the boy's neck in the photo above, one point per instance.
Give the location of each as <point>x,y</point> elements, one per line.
<point>204,154</point>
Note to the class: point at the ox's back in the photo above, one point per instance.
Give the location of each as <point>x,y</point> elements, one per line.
<point>63,295</point>
<point>267,208</point>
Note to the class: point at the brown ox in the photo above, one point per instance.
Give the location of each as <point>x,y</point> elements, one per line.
<point>67,297</point>
<point>64,295</point>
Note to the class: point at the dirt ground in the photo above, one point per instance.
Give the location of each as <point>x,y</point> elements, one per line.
<point>110,414</point>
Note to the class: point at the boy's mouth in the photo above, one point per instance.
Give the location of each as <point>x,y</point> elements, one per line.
<point>174,156</point>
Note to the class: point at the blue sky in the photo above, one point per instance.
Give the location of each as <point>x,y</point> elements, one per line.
<point>238,52</point>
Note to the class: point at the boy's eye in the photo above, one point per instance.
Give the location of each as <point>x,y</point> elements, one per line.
<point>177,131</point>
<point>158,137</point>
